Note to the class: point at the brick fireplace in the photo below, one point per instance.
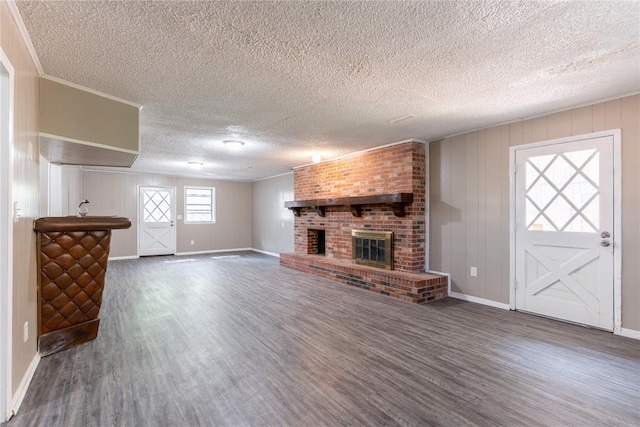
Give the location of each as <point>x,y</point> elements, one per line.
<point>398,169</point>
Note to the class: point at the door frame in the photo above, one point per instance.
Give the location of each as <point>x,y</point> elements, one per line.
<point>617,215</point>
<point>173,214</point>
<point>6,248</point>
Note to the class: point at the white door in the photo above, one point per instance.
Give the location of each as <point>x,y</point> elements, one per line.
<point>564,238</point>
<point>156,216</point>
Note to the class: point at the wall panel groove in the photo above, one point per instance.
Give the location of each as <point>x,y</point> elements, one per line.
<point>474,221</point>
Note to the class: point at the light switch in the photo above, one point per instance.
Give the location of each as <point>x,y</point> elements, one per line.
<point>474,272</point>
<point>16,212</point>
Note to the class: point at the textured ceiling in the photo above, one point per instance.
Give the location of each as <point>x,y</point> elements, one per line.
<point>285,77</point>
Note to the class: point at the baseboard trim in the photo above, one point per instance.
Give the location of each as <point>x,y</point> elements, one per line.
<point>119,258</point>
<point>478,300</point>
<point>629,333</point>
<point>442,274</point>
<point>215,251</point>
<point>266,252</point>
<point>24,385</point>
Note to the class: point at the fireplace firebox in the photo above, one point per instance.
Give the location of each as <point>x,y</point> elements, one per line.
<point>373,248</point>
<point>315,242</point>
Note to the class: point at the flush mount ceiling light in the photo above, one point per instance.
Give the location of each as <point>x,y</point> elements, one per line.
<point>315,156</point>
<point>401,118</point>
<point>195,165</point>
<point>233,144</point>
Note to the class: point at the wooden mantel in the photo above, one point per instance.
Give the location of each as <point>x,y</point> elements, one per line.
<point>397,201</point>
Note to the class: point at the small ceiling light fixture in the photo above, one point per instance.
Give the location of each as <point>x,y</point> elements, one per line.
<point>315,156</point>
<point>195,165</point>
<point>401,118</point>
<point>233,144</point>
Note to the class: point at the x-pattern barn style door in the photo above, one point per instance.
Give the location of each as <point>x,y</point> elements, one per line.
<point>563,233</point>
<point>156,221</point>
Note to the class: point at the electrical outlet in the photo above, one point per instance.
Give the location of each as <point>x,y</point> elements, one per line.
<point>26,331</point>
<point>193,242</point>
<point>474,272</point>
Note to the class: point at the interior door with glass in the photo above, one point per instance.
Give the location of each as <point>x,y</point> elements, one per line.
<point>564,238</point>
<point>156,217</point>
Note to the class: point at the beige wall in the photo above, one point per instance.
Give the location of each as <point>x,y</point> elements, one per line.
<point>469,198</point>
<point>25,192</point>
<point>271,222</point>
<point>112,193</point>
<point>78,114</point>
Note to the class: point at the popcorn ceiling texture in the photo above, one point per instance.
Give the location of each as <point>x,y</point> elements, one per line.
<point>288,76</point>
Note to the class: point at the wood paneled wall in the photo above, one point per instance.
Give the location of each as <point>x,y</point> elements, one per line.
<point>271,222</point>
<point>469,198</point>
<point>111,193</point>
<point>25,192</point>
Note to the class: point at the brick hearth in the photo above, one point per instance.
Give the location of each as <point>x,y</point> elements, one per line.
<point>412,287</point>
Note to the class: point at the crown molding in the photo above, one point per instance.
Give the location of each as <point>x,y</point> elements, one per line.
<point>13,8</point>
<point>379,147</point>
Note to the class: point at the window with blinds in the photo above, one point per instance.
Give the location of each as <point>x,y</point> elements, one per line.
<point>199,205</point>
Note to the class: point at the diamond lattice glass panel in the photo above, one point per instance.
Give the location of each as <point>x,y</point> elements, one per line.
<point>576,173</point>
<point>559,172</point>
<point>541,162</point>
<point>578,158</point>
<point>559,212</point>
<point>531,215</point>
<point>541,193</point>
<point>592,213</point>
<point>530,175</point>
<point>156,206</point>
<point>579,225</point>
<point>592,169</point>
<point>580,191</point>
<point>157,197</point>
<point>541,224</point>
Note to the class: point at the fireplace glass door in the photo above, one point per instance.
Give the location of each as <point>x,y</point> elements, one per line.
<point>374,248</point>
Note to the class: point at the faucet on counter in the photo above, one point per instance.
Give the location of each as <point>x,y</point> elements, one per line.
<point>83,211</point>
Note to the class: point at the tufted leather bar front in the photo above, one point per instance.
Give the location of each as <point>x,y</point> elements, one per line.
<point>73,254</point>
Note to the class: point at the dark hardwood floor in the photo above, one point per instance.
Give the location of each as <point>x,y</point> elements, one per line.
<point>236,340</point>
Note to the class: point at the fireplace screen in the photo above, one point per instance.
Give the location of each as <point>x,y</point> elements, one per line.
<point>374,248</point>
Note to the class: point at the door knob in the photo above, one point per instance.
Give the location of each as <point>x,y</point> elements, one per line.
<point>605,243</point>
<point>605,234</point>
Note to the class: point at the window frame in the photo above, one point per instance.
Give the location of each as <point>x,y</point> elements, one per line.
<point>213,204</point>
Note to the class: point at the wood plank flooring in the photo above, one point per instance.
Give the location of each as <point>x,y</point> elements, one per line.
<point>235,339</point>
